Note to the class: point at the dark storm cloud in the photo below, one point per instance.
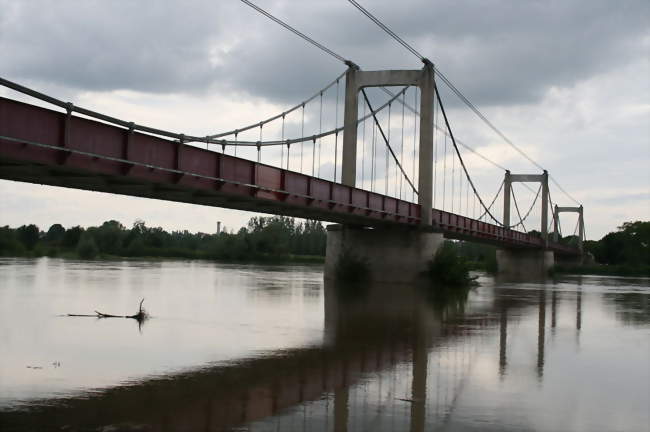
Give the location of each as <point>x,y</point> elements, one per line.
<point>498,52</point>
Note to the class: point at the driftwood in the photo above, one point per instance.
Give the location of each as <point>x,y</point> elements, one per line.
<point>140,316</point>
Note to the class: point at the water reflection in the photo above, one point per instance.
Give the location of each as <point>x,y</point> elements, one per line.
<point>398,358</point>
<point>632,308</point>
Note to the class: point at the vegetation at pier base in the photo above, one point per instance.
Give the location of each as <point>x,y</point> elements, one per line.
<point>267,239</point>
<point>448,268</point>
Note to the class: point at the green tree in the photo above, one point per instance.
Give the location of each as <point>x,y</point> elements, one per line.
<point>109,237</point>
<point>54,235</point>
<point>71,237</point>
<point>9,243</point>
<point>28,236</point>
<point>87,248</point>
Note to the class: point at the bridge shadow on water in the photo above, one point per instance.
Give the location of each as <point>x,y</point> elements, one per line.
<point>392,358</point>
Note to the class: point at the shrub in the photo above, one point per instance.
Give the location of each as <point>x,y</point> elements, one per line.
<point>447,268</point>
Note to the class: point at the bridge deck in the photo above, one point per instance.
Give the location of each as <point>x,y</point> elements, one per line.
<point>43,146</point>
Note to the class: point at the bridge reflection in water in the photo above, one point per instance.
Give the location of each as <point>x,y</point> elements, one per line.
<point>392,359</point>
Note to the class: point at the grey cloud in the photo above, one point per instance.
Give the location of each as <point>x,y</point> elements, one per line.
<point>171,47</point>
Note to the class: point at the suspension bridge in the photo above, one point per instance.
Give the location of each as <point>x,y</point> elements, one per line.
<point>373,151</point>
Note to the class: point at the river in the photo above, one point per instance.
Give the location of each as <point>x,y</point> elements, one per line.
<point>274,348</point>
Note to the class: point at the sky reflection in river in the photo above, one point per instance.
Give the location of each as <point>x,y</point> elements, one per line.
<point>270,348</point>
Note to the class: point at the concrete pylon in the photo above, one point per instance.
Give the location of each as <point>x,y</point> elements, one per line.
<point>509,179</point>
<point>349,155</point>
<point>356,80</point>
<point>581,223</point>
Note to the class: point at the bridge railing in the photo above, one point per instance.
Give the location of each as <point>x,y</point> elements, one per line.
<point>46,137</point>
<point>465,227</point>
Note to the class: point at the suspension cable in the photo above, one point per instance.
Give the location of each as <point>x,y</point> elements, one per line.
<point>282,114</point>
<point>530,209</point>
<point>186,138</point>
<point>455,90</point>
<point>493,200</point>
<point>296,32</point>
<point>451,134</point>
<point>365,96</point>
<point>444,132</point>
<point>514,199</point>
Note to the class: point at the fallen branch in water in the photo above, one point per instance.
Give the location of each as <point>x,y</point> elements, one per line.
<point>140,316</point>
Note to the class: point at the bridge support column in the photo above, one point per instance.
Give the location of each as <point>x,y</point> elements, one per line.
<point>396,255</point>
<point>522,264</point>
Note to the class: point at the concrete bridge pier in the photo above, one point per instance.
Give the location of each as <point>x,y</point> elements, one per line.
<point>524,264</point>
<point>395,255</point>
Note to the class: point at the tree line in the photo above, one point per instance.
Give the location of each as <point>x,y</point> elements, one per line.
<point>270,238</point>
<point>625,251</point>
<point>275,237</point>
<point>628,246</point>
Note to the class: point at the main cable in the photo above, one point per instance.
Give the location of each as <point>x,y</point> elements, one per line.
<point>460,158</point>
<point>457,92</point>
<point>296,32</point>
<point>386,141</point>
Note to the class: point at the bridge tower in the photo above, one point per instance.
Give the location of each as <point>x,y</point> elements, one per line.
<point>521,263</point>
<point>581,223</point>
<point>393,254</point>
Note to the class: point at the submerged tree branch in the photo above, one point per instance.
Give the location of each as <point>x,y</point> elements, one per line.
<point>140,316</point>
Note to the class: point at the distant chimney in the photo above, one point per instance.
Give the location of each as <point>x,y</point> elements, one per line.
<point>219,227</point>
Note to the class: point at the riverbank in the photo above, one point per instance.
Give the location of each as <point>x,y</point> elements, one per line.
<point>257,259</point>
<point>603,270</point>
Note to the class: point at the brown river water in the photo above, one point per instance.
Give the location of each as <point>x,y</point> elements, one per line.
<point>274,348</point>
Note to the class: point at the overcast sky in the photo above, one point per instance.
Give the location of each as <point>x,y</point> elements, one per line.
<point>568,81</point>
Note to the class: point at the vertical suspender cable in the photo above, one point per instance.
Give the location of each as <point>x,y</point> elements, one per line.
<point>460,194</point>
<point>387,166</point>
<point>467,200</point>
<point>474,208</point>
<point>288,151</point>
<point>336,135</point>
<point>313,157</point>
<point>302,134</point>
<point>453,175</point>
<point>320,131</point>
<point>415,134</point>
<point>259,147</point>
<point>444,176</point>
<point>282,147</point>
<point>435,153</point>
<point>401,156</point>
<point>363,148</point>
<point>372,161</point>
